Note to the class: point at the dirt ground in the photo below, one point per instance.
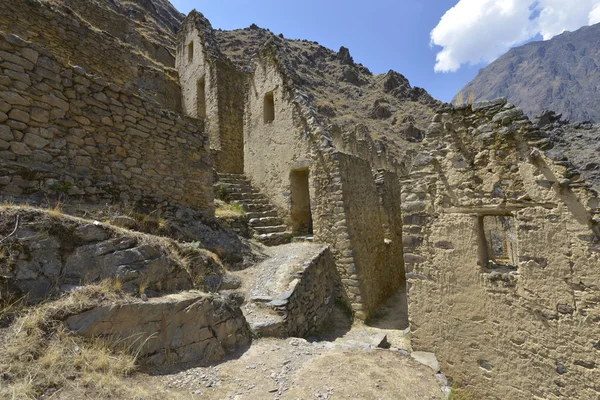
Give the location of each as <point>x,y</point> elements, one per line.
<point>298,369</point>
<point>342,363</point>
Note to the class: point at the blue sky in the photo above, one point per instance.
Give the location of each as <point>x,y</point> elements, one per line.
<point>396,34</point>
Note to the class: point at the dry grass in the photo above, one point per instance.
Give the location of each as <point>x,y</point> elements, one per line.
<point>228,210</point>
<point>40,356</point>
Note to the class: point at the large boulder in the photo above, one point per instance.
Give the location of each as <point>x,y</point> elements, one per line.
<point>185,327</point>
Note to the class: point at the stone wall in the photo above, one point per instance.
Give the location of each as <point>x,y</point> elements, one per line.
<point>76,42</point>
<point>213,90</point>
<point>65,131</point>
<point>309,300</point>
<point>502,249</point>
<point>375,237</point>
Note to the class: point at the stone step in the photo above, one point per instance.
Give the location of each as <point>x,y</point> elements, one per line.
<point>232,185</point>
<point>225,175</point>
<point>237,189</point>
<point>275,238</point>
<point>254,202</point>
<point>266,221</point>
<point>255,207</point>
<point>269,229</point>
<point>234,181</point>
<point>261,214</point>
<point>246,196</point>
<point>304,238</point>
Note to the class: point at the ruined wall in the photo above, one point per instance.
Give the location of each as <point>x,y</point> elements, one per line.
<point>504,278</point>
<point>212,90</point>
<point>75,42</point>
<point>374,232</point>
<point>311,295</point>
<point>63,130</point>
<point>272,150</point>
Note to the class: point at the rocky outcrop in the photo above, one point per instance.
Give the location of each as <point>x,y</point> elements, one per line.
<point>49,252</point>
<point>186,327</point>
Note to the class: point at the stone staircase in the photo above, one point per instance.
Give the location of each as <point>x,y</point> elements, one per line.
<point>265,224</point>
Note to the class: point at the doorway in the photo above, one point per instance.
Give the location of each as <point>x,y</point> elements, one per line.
<point>300,202</point>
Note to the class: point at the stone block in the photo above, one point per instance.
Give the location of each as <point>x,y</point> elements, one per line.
<point>20,149</point>
<point>35,141</point>
<point>196,328</point>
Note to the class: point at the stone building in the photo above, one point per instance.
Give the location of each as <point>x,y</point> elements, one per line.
<point>261,124</point>
<point>502,249</point>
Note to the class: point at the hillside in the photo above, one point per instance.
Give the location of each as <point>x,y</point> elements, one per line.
<point>561,74</point>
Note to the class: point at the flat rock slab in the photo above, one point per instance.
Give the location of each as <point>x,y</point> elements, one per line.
<point>277,272</point>
<point>426,358</point>
<point>186,327</point>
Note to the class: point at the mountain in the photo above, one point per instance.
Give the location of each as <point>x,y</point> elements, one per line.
<point>561,74</point>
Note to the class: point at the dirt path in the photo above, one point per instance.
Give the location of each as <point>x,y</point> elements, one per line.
<point>298,369</point>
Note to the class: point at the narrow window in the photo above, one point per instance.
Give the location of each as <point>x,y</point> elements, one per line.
<point>190,51</point>
<point>269,108</point>
<point>498,240</point>
<point>201,98</point>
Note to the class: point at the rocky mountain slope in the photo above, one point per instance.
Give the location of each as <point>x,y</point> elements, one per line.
<point>561,74</point>
<point>575,142</point>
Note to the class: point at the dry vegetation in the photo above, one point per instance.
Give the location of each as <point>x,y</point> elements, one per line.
<point>226,210</point>
<point>40,356</point>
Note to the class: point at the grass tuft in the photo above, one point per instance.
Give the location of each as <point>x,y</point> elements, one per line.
<point>225,210</point>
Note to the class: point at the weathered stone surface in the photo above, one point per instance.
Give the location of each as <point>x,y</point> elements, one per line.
<point>35,141</point>
<point>426,358</point>
<point>20,148</point>
<point>186,327</point>
<point>488,253</point>
<point>71,251</point>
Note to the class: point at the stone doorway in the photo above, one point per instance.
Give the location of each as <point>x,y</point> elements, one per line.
<point>300,202</point>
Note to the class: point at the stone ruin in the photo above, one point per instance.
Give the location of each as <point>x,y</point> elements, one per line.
<point>492,244</point>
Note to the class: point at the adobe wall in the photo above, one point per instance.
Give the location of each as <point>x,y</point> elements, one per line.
<point>65,131</point>
<point>75,42</point>
<point>272,150</point>
<point>502,252</point>
<point>224,91</point>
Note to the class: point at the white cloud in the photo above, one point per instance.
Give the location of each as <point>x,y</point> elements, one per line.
<point>477,31</point>
<point>595,15</point>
